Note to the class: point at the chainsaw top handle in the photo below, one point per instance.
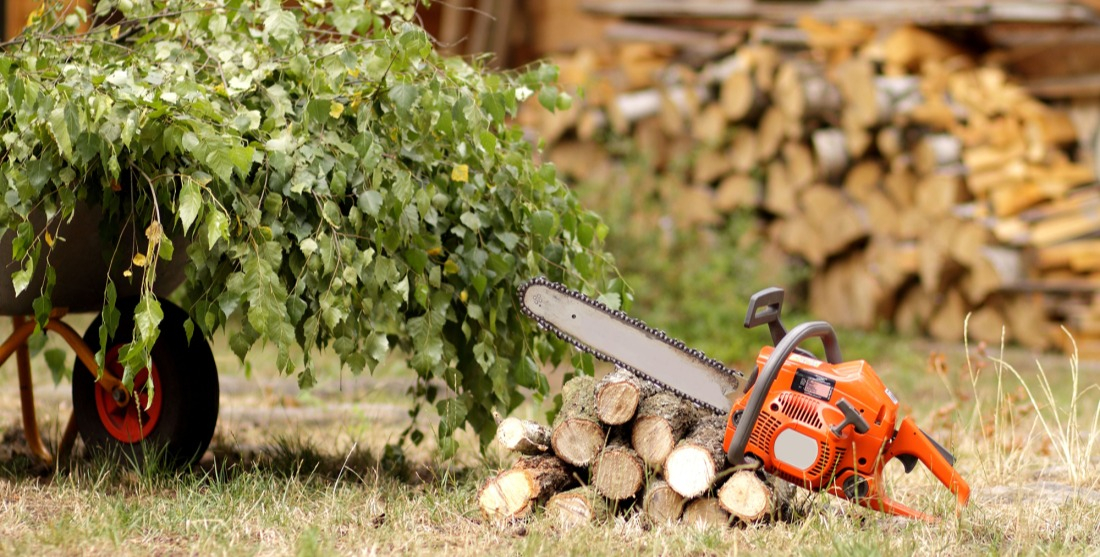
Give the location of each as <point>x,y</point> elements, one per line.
<point>786,347</point>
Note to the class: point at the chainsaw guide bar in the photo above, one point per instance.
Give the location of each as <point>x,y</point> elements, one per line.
<point>615,337</point>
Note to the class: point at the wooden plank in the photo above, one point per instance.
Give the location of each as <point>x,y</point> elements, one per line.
<point>1081,86</point>
<point>945,12</point>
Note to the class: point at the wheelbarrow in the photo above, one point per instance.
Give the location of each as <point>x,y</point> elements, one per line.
<point>178,422</point>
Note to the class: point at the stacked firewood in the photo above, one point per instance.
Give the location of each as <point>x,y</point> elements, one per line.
<point>921,185</point>
<point>620,445</point>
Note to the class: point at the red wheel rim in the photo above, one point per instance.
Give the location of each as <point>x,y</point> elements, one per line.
<point>130,422</point>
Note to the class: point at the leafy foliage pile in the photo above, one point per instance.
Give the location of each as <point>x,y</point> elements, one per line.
<point>341,185</point>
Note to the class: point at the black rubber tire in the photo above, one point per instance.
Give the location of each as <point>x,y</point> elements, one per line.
<point>188,384</point>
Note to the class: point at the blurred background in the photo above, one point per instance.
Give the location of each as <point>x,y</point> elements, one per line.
<point>898,165</point>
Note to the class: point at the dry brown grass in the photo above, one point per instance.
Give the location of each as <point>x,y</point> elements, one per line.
<point>295,473</point>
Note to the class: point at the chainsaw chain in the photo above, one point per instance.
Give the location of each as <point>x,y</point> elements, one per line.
<point>633,322</point>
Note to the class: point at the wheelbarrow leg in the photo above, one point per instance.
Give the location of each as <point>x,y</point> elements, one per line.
<point>68,440</point>
<point>26,398</point>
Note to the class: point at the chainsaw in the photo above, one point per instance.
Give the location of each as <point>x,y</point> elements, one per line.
<point>825,425</point>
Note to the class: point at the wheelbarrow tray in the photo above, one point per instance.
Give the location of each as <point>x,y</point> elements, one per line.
<point>82,264</point>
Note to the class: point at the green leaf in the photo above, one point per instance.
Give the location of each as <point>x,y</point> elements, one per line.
<point>190,203</point>
<point>55,360</point>
<point>543,223</point>
<point>281,25</point>
<point>147,318</point>
<point>60,130</point>
<point>217,227</point>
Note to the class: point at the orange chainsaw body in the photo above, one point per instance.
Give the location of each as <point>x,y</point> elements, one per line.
<point>793,437</point>
<point>801,434</point>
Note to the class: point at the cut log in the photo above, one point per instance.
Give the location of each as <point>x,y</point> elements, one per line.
<point>938,194</point>
<point>515,492</point>
<point>618,472</point>
<point>830,152</point>
<point>710,164</point>
<point>994,268</point>
<point>800,164</point>
<point>947,321</point>
<point>523,436</point>
<point>740,98</point>
<point>746,497</point>
<point>863,180</point>
<point>780,195</point>
<point>578,507</point>
<point>618,395</point>
<point>662,421</point>
<point>937,152</point>
<point>988,325</point>
<point>913,311</point>
<point>709,127</point>
<point>705,512</point>
<point>770,133</point>
<point>839,221</point>
<point>802,91</point>
<point>577,435</point>
<point>693,465</point>
<point>661,504</point>
<point>737,191</point>
<point>910,47</point>
<point>1028,321</point>
<point>743,154</point>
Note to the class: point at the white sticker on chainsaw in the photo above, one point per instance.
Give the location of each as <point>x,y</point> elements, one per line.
<point>796,449</point>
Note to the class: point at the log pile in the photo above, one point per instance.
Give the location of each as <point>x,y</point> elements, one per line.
<point>664,461</point>
<point>919,182</point>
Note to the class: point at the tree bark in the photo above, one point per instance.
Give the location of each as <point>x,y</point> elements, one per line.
<point>705,512</point>
<point>523,436</point>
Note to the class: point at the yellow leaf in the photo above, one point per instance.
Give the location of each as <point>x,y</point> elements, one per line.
<point>49,239</point>
<point>450,267</point>
<point>336,110</point>
<point>33,16</point>
<point>435,252</point>
<point>463,296</point>
<point>461,173</point>
<point>354,72</point>
<point>154,232</point>
<point>139,259</point>
<point>115,31</point>
<point>127,273</point>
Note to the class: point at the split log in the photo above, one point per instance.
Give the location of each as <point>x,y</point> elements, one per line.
<point>706,512</point>
<point>737,191</point>
<point>746,496</point>
<point>937,152</point>
<point>515,492</point>
<point>578,507</point>
<point>743,151</point>
<point>947,321</point>
<point>661,504</point>
<point>693,465</point>
<point>830,152</point>
<point>618,395</point>
<point>577,435</point>
<point>662,421</point>
<point>780,195</point>
<point>523,436</point>
<point>618,472</point>
<point>770,133</point>
<point>740,98</point>
<point>802,91</point>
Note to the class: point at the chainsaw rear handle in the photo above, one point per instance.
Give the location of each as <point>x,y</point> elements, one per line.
<point>910,442</point>
<point>736,452</point>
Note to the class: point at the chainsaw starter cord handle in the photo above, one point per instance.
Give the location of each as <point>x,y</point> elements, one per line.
<point>787,346</point>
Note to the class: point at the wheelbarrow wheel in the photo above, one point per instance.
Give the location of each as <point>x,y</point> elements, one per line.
<point>174,427</point>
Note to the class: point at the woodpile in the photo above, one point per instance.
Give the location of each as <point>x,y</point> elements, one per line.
<point>919,181</point>
<point>682,477</point>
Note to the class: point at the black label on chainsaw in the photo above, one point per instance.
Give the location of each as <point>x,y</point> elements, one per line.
<point>812,384</point>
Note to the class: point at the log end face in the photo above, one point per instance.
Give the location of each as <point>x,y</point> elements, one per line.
<point>577,441</point>
<point>690,470</point>
<point>617,403</point>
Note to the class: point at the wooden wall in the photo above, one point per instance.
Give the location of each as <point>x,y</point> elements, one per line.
<point>16,12</point>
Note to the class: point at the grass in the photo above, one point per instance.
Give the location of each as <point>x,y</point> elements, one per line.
<point>311,477</point>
